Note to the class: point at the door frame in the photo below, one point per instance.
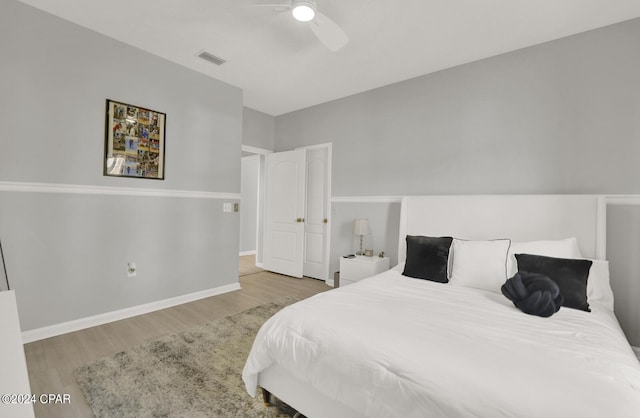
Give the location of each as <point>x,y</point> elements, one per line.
<point>327,244</point>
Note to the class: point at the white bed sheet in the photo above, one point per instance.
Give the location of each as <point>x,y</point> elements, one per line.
<point>393,346</point>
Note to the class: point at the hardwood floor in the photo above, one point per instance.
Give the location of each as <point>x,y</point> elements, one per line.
<point>51,362</point>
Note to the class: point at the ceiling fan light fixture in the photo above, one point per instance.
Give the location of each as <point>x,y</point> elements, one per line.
<point>303,10</point>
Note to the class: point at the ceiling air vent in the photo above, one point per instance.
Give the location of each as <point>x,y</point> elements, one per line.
<point>211,58</point>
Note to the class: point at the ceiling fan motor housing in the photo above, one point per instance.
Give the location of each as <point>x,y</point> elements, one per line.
<point>303,10</point>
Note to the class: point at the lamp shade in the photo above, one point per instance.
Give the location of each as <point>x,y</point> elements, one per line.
<point>360,227</point>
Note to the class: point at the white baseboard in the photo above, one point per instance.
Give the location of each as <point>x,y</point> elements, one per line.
<point>247,253</point>
<point>100,319</point>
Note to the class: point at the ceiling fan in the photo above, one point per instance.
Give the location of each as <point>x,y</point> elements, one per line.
<point>327,31</point>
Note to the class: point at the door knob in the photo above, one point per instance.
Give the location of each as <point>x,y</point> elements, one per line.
<point>325,220</point>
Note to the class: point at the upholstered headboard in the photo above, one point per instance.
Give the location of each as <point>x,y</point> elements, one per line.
<point>519,217</point>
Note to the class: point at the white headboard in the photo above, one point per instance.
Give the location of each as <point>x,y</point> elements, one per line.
<point>519,217</point>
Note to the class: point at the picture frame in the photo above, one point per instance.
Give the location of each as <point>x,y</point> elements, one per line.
<point>134,141</point>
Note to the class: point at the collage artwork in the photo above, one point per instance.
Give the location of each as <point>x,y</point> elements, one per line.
<point>135,141</point>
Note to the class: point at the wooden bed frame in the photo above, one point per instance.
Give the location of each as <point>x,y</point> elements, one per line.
<point>519,217</point>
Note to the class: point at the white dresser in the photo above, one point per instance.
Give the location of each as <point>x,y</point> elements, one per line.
<point>14,379</point>
<point>354,269</point>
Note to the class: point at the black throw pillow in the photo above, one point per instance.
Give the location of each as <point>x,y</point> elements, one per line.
<point>533,293</point>
<point>427,258</point>
<point>569,274</point>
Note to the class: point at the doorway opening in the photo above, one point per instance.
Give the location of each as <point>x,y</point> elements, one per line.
<point>251,208</point>
<point>296,216</point>
<point>285,206</point>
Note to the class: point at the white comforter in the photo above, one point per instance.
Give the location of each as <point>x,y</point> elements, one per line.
<point>391,346</point>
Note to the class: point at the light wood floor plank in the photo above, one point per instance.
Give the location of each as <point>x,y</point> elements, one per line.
<point>51,362</point>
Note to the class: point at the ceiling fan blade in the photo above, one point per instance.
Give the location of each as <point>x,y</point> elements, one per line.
<point>328,31</point>
<point>284,4</point>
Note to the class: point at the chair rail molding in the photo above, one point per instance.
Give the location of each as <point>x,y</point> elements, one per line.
<point>366,199</point>
<point>609,199</point>
<point>622,199</point>
<point>26,187</point>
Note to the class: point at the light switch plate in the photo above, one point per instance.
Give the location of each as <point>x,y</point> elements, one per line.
<point>227,207</point>
<point>131,269</point>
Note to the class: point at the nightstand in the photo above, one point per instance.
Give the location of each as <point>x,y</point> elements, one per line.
<point>354,269</point>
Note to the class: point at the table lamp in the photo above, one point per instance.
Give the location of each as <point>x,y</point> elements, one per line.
<point>361,228</point>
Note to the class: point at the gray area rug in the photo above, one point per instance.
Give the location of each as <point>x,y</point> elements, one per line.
<point>196,373</point>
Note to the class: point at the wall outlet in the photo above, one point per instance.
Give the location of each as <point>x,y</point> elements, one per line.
<point>131,269</point>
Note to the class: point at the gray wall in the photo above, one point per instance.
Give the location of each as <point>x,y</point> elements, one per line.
<point>623,247</point>
<point>67,254</point>
<point>258,129</point>
<point>249,200</point>
<point>560,117</point>
<point>383,221</point>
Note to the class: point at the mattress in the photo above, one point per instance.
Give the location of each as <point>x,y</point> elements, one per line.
<point>391,346</point>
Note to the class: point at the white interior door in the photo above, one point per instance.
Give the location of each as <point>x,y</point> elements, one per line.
<point>316,221</point>
<point>285,212</point>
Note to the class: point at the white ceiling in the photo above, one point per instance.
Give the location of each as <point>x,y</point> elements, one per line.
<point>282,67</point>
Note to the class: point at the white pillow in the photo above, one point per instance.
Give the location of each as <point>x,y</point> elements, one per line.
<point>598,287</point>
<point>479,264</point>
<point>561,248</point>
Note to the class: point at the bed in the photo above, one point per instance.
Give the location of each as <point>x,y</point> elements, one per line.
<point>392,345</point>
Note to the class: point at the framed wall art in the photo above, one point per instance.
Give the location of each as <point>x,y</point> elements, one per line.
<point>134,141</point>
